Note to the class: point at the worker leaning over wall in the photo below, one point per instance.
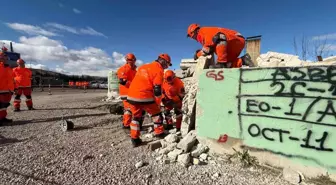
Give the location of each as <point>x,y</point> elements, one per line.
<point>125,74</point>
<point>6,88</point>
<point>173,94</point>
<point>22,78</point>
<point>145,93</point>
<point>226,43</point>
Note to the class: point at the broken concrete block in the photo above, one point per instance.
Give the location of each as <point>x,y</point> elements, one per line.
<point>168,149</point>
<point>164,143</point>
<point>173,154</point>
<point>292,176</point>
<point>154,145</point>
<point>188,141</point>
<point>199,150</point>
<point>184,159</point>
<point>171,138</point>
<point>204,156</point>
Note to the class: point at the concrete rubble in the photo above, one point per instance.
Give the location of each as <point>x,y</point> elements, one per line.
<point>185,152</point>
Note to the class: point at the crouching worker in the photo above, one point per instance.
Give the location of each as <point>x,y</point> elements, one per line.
<point>6,88</point>
<point>22,77</point>
<point>145,93</point>
<point>173,91</point>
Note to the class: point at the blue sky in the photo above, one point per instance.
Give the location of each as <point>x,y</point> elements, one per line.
<point>150,27</point>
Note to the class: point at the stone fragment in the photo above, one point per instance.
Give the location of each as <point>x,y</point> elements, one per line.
<point>204,156</point>
<point>154,145</point>
<point>168,149</point>
<point>188,141</point>
<point>196,161</point>
<point>199,150</point>
<point>292,176</point>
<point>173,154</point>
<point>139,164</point>
<point>171,138</point>
<point>184,159</point>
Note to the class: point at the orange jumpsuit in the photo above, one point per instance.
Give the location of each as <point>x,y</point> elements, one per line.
<point>226,43</point>
<point>173,96</point>
<point>22,78</point>
<point>6,89</point>
<point>125,74</point>
<point>145,93</point>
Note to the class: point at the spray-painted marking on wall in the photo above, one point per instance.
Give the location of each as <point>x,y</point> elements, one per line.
<point>290,110</point>
<point>287,111</point>
<point>218,76</point>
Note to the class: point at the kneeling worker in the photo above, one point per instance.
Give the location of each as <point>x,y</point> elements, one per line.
<point>226,43</point>
<point>173,91</point>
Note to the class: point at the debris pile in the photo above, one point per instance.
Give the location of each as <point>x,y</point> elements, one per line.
<point>188,67</point>
<point>189,104</point>
<point>274,59</point>
<point>186,151</point>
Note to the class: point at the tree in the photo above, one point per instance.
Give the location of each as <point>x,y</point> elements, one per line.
<point>307,48</point>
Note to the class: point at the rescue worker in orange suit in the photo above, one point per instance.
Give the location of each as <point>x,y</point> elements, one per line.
<point>173,94</point>
<point>226,43</point>
<point>22,77</point>
<point>145,93</point>
<point>125,75</point>
<point>6,88</point>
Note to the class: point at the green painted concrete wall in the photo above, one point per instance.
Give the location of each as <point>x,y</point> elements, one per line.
<point>112,81</point>
<point>287,111</point>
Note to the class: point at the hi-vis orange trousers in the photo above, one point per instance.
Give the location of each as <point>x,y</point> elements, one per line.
<point>154,110</point>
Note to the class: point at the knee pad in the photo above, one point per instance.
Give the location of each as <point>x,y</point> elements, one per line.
<point>219,37</point>
<point>17,97</point>
<point>28,97</point>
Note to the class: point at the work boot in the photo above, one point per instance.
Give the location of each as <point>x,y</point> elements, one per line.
<point>17,110</point>
<point>178,130</point>
<point>169,126</point>
<point>5,120</point>
<point>126,127</point>
<point>31,108</point>
<point>220,65</point>
<point>247,60</point>
<point>136,142</point>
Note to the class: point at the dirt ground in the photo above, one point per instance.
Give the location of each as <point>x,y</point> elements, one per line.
<point>34,149</point>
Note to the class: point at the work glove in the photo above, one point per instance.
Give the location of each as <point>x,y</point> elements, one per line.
<point>195,55</point>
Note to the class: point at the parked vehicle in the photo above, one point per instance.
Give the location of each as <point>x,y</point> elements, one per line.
<point>103,85</point>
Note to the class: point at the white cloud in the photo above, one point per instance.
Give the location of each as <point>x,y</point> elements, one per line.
<point>82,31</point>
<point>76,11</point>
<point>91,31</point>
<point>331,36</point>
<point>88,61</point>
<point>30,29</point>
<point>37,66</point>
<point>63,27</point>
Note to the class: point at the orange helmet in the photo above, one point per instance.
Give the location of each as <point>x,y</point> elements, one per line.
<point>165,60</point>
<point>3,56</point>
<point>191,29</point>
<point>130,57</point>
<point>20,61</point>
<point>169,76</point>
